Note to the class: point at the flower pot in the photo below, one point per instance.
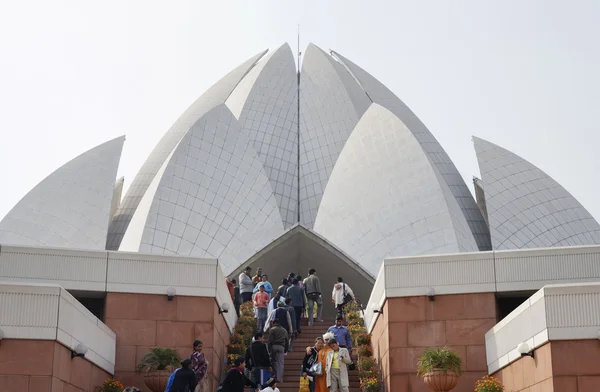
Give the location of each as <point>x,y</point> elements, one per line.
<point>440,381</point>
<point>157,380</point>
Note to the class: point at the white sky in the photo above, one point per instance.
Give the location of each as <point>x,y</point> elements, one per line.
<point>522,74</point>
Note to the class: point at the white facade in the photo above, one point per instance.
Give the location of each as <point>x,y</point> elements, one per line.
<point>109,271</point>
<point>70,208</point>
<point>482,272</point>
<point>526,207</point>
<point>48,312</point>
<point>556,312</point>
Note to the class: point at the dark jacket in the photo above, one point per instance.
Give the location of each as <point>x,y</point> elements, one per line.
<point>283,315</point>
<point>235,381</point>
<point>281,290</point>
<point>237,297</point>
<point>296,294</point>
<point>292,313</point>
<point>309,360</point>
<point>257,356</point>
<point>278,337</point>
<point>184,381</point>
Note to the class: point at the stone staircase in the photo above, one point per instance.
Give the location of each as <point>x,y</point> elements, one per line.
<point>293,360</point>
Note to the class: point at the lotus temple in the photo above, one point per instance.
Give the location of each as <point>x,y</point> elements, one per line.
<point>286,169</point>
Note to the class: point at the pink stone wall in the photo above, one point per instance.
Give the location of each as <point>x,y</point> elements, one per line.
<point>143,321</point>
<point>409,325</point>
<point>559,366</point>
<point>45,366</point>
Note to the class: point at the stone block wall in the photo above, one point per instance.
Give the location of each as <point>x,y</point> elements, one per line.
<point>409,325</point>
<point>45,366</point>
<point>558,366</point>
<point>143,321</point>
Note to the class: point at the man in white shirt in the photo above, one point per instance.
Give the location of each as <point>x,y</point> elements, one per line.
<point>340,296</point>
<point>246,285</point>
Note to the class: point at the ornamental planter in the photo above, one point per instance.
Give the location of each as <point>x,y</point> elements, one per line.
<point>157,380</point>
<point>440,381</point>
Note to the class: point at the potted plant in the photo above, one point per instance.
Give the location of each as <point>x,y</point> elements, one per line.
<point>440,369</point>
<point>489,384</point>
<point>110,385</point>
<point>157,366</point>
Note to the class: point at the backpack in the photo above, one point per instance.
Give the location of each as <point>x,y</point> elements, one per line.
<point>347,297</point>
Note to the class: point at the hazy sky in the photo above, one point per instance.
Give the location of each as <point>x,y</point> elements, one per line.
<point>522,74</point>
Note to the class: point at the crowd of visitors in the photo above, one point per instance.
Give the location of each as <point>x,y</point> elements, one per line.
<point>279,313</point>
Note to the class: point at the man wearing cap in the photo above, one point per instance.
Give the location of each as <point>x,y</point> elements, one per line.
<point>246,285</point>
<point>270,386</point>
<point>336,369</point>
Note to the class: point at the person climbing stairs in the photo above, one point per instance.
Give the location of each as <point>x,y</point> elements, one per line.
<point>293,360</point>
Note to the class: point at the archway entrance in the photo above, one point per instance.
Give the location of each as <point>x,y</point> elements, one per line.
<point>300,249</point>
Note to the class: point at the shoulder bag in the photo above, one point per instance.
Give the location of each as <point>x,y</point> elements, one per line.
<point>347,297</point>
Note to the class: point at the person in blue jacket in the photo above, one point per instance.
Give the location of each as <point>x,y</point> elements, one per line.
<point>184,379</point>
<point>266,284</point>
<point>171,378</point>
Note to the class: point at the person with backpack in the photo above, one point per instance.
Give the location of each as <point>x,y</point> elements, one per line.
<point>341,295</point>
<point>296,294</point>
<point>257,358</point>
<point>235,380</point>
<point>312,287</point>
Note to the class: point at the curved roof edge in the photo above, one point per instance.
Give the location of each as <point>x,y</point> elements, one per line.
<point>71,207</point>
<point>217,94</point>
<point>266,102</point>
<point>324,83</point>
<point>440,160</point>
<point>406,208</point>
<point>526,207</point>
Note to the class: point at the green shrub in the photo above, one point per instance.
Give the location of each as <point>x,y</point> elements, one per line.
<point>363,339</point>
<point>159,358</point>
<point>364,351</point>
<point>443,359</point>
